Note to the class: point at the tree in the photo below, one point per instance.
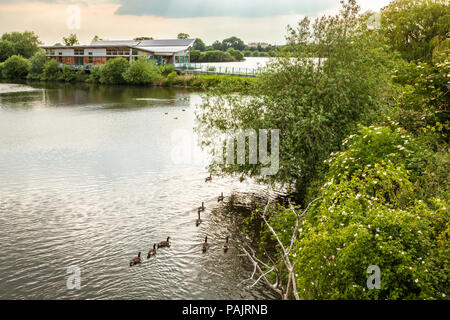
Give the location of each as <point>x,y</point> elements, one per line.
<point>199,45</point>
<point>112,72</point>
<point>183,36</point>
<point>71,40</point>
<point>25,44</point>
<point>237,55</point>
<point>6,49</point>
<point>51,70</point>
<point>142,71</point>
<point>415,28</point>
<point>195,55</point>
<point>315,103</point>
<point>217,45</point>
<point>96,38</point>
<point>143,38</point>
<point>16,67</point>
<point>233,42</point>
<point>37,63</point>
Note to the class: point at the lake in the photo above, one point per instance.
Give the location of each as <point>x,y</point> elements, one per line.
<point>91,175</point>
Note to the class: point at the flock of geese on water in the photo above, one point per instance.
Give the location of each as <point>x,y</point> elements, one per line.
<point>166,244</point>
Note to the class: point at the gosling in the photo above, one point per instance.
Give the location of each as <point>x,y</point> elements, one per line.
<point>226,245</point>
<point>136,260</point>
<point>202,208</point>
<point>208,179</point>
<point>220,198</point>
<point>164,244</point>
<point>151,252</point>
<point>198,221</point>
<point>205,245</point>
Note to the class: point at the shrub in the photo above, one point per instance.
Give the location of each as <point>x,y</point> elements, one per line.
<point>142,71</point>
<point>51,70</point>
<point>37,63</point>
<point>6,49</point>
<point>216,56</point>
<point>166,69</point>
<point>1,69</point>
<point>67,74</point>
<point>237,55</point>
<point>16,67</point>
<point>94,76</point>
<point>113,71</point>
<point>195,55</point>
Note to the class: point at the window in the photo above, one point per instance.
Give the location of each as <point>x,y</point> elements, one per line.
<point>108,52</point>
<point>79,52</point>
<point>91,59</point>
<point>135,52</point>
<point>50,52</point>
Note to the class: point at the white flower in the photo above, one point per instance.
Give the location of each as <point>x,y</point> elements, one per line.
<point>416,281</point>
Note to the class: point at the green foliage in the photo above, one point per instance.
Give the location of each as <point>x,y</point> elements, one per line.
<point>233,42</point>
<point>199,45</point>
<point>216,56</point>
<point>423,101</point>
<point>113,72</point>
<point>315,103</point>
<point>6,49</point>
<point>25,44</point>
<point>71,40</point>
<point>37,63</point>
<point>237,55</point>
<point>95,73</point>
<point>183,36</point>
<point>195,55</point>
<point>415,28</point>
<point>370,215</point>
<point>166,69</point>
<point>51,70</point>
<point>141,71</point>
<point>16,67</point>
<point>1,69</point>
<point>67,74</point>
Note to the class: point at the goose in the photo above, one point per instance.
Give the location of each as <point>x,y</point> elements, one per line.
<point>220,198</point>
<point>202,208</point>
<point>198,221</point>
<point>136,260</point>
<point>205,245</point>
<point>226,245</point>
<point>208,179</point>
<point>152,252</point>
<point>163,244</point>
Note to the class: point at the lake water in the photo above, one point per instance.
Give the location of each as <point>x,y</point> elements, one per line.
<point>91,175</point>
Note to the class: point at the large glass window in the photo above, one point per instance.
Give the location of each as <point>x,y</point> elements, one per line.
<point>79,52</point>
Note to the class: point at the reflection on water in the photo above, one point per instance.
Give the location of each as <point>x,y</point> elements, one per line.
<point>88,178</point>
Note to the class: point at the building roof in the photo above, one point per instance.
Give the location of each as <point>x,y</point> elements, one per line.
<point>175,45</point>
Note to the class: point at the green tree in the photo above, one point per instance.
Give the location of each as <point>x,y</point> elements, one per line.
<point>96,38</point>
<point>217,45</point>
<point>237,55</point>
<point>199,45</point>
<point>183,36</point>
<point>315,103</point>
<point>142,71</point>
<point>233,42</point>
<point>6,49</point>
<point>112,72</point>
<point>195,55</point>
<point>415,28</point>
<point>37,63</point>
<point>51,70</point>
<point>71,40</point>
<point>16,67</point>
<point>25,44</point>
<point>143,38</point>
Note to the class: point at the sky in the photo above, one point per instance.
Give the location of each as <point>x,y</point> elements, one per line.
<point>210,20</point>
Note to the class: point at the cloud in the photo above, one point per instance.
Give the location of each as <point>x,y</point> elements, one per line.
<point>223,8</point>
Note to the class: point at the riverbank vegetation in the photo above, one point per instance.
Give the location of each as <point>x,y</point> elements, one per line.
<point>364,154</point>
<point>116,71</point>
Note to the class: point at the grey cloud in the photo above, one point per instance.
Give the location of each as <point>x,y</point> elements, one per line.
<point>222,8</point>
